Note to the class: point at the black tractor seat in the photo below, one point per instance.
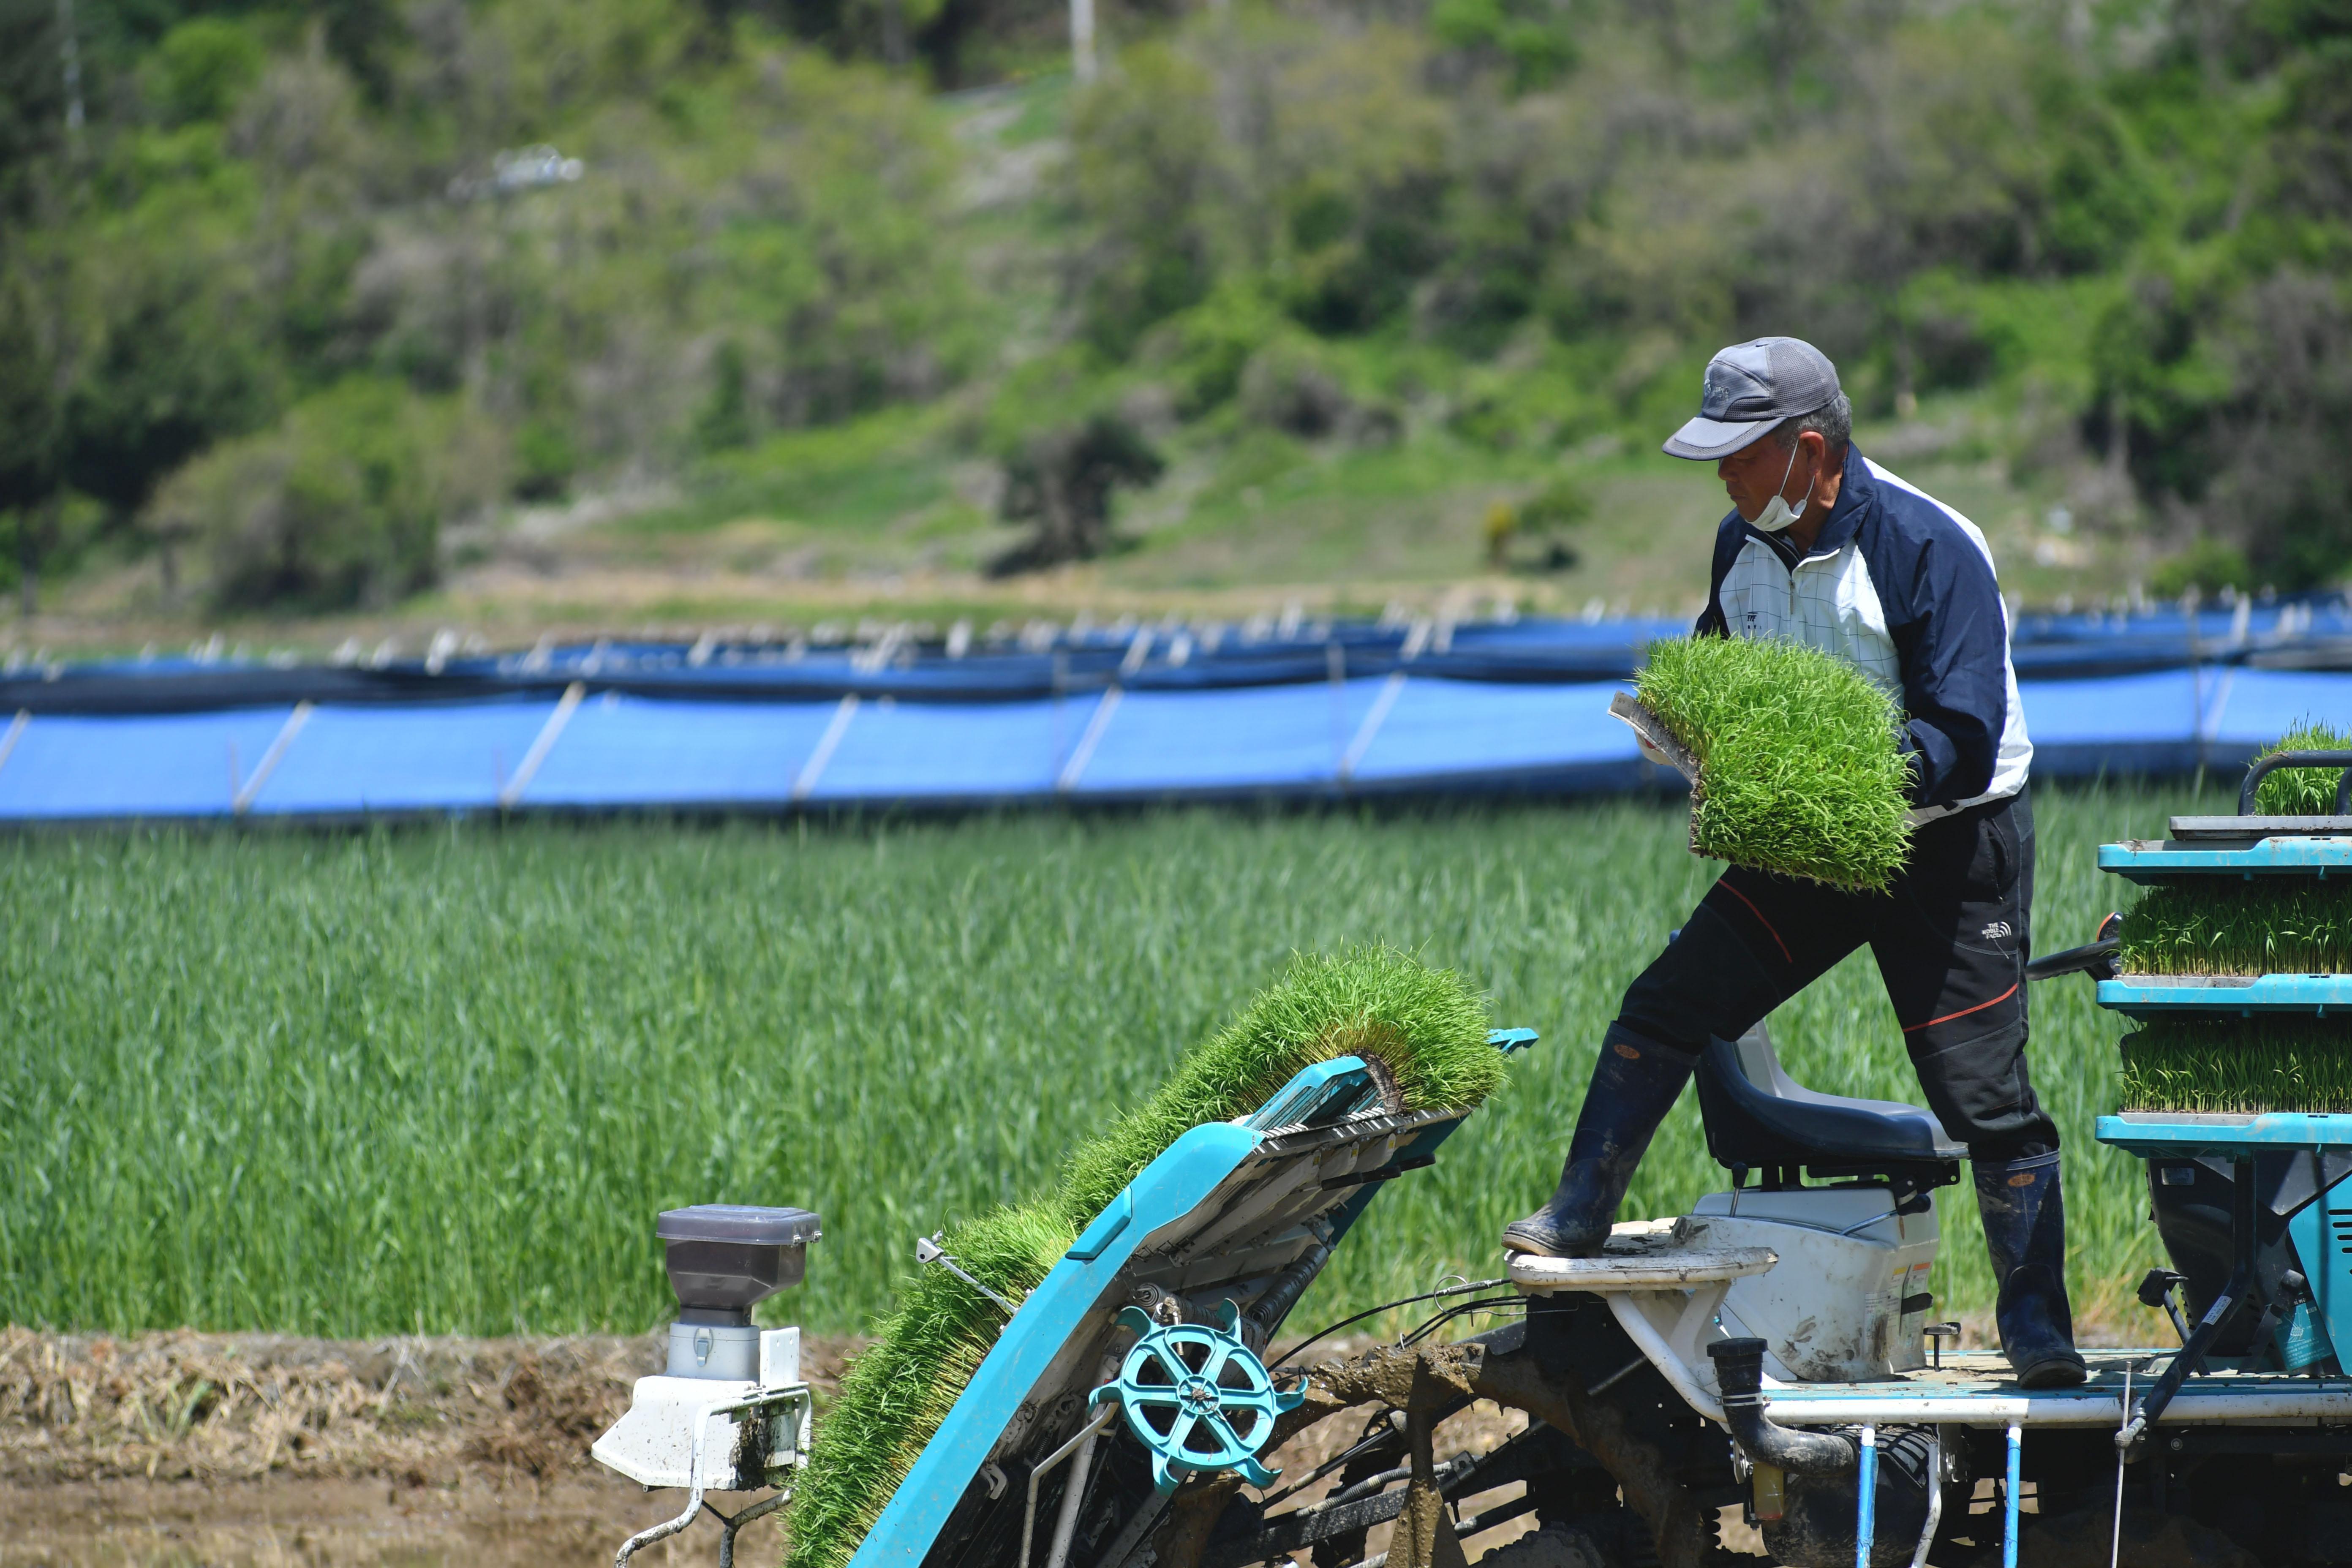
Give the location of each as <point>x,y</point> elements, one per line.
<point>1759,1119</point>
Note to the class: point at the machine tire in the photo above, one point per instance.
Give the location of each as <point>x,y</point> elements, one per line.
<point>2083,1539</point>
<point>1553,1546</point>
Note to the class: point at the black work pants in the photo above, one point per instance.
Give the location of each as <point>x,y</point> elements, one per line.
<point>1951,939</point>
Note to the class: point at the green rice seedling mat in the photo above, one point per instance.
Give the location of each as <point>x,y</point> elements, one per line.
<point>2239,1065</point>
<point>2302,792</point>
<point>1420,1026</point>
<point>1798,770</point>
<point>2236,927</point>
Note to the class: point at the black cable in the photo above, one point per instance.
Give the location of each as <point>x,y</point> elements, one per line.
<point>1441,1320</point>
<point>1372,1439</point>
<point>1376,1311</point>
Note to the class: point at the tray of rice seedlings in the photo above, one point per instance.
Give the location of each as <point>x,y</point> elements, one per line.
<point>1423,1033</point>
<point>2270,935</point>
<point>2279,801</point>
<point>2302,792</point>
<point>2208,1068</point>
<point>1791,755</point>
<point>2212,927</point>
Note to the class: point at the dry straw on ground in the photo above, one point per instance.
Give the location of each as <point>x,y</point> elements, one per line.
<point>243,1407</point>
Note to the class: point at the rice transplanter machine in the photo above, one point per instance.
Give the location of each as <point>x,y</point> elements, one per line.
<point>1771,1355</point>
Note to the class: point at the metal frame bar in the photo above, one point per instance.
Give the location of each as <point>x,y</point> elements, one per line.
<point>2191,1357</point>
<point>1866,1492</point>
<point>2014,1483</point>
<point>2272,763</point>
<point>698,1480</point>
<point>1084,1439</point>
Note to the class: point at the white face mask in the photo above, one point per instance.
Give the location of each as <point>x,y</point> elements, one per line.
<point>1778,513</point>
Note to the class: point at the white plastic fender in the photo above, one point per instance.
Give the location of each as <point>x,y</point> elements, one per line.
<point>653,1443</point>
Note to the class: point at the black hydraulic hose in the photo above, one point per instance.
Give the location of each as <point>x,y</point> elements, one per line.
<point>1283,1295</point>
<point>1484,1304</point>
<point>1324,1333</point>
<point>1739,1374</point>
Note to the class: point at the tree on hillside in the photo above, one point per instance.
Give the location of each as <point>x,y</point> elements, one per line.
<point>32,102</point>
<point>34,370</point>
<point>1061,483</point>
<point>175,371</point>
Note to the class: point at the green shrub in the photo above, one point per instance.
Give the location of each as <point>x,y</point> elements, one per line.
<point>2302,791</point>
<point>203,67</point>
<point>1292,388</point>
<point>1422,1024</point>
<point>1208,346</point>
<point>1530,40</point>
<point>339,505</point>
<point>2209,565</point>
<point>1797,768</point>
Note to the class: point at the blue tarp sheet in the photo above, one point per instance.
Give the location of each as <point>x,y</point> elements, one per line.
<point>189,764</point>
<point>918,663</point>
<point>1369,735</point>
<point>618,752</point>
<point>440,757</point>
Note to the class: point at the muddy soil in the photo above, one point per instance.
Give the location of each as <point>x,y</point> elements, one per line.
<point>176,1450</point>
<point>280,1521</point>
<point>164,1450</point>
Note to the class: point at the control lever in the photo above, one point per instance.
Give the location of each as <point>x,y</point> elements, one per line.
<point>2096,958</point>
<point>2155,1290</point>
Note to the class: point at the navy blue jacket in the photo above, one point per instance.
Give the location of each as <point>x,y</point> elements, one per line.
<point>1902,586</point>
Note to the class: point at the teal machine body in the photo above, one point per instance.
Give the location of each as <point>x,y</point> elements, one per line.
<point>2255,1209</point>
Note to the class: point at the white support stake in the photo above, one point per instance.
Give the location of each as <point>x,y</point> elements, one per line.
<point>15,733</point>
<point>1073,770</point>
<point>248,791</point>
<point>541,746</point>
<point>805,782</point>
<point>1390,689</point>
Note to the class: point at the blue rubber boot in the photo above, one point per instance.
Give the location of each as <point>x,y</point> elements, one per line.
<point>2025,1231</point>
<point>1634,1084</point>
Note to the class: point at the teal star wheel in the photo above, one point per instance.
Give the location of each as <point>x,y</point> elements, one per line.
<point>1197,1397</point>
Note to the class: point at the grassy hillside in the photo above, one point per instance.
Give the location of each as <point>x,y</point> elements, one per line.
<point>443,1081</point>
<point>532,313</point>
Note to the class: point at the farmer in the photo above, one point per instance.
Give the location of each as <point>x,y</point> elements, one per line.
<point>1825,547</point>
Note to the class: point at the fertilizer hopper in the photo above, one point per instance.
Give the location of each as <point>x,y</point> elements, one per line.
<point>729,1411</point>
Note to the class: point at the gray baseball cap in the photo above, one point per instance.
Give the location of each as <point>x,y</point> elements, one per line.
<point>1751,388</point>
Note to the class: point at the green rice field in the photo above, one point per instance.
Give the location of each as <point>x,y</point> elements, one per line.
<point>441,1080</point>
